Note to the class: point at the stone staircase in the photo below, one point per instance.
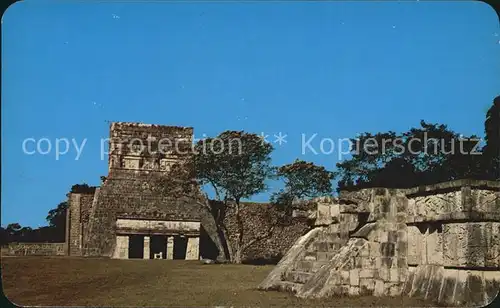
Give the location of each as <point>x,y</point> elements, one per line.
<point>312,258</point>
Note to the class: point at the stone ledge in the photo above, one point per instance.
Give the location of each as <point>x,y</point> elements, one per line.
<point>473,216</point>
<point>453,185</point>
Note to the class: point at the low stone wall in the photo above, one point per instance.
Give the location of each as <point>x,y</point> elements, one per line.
<point>35,249</point>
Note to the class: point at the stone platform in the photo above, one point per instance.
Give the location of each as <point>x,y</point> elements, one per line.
<point>439,242</point>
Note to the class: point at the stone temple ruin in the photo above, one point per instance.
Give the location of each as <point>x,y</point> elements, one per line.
<point>125,217</point>
<point>439,242</point>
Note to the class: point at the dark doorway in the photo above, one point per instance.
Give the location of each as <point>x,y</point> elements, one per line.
<point>158,244</point>
<point>136,246</point>
<point>180,245</point>
<point>208,249</point>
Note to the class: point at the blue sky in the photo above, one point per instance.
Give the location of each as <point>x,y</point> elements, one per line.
<point>334,68</point>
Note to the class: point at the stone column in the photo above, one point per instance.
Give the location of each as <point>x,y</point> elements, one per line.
<point>146,247</point>
<point>193,248</point>
<point>121,249</point>
<point>170,247</point>
<point>75,231</point>
<point>66,232</point>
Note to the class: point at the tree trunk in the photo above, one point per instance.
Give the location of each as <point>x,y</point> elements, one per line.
<point>237,258</point>
<point>227,249</point>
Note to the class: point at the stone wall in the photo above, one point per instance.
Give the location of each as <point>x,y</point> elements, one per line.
<point>439,242</point>
<point>136,146</point>
<point>34,249</point>
<point>257,219</point>
<point>80,206</point>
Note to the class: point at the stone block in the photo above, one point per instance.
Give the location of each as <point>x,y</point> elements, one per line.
<point>492,284</point>
<point>403,274</point>
<point>475,256</point>
<point>321,246</point>
<point>388,261</point>
<point>435,283</point>
<point>121,248</point>
<point>305,266</point>
<point>170,247</point>
<point>401,218</point>
<point>454,244</point>
<point>334,228</point>
<point>402,204</point>
<point>476,288</point>
<point>411,208</point>
<point>392,236</point>
<point>366,286</point>
<point>402,248</point>
<point>402,262</point>
<point>461,292</point>
<point>297,277</point>
<point>379,288</point>
<point>384,273</point>
<point>448,285</point>
<point>477,234</point>
<point>353,290</point>
<point>393,289</point>
<point>193,248</point>
<point>345,277</point>
<point>322,256</point>
<point>364,252</point>
<point>323,217</point>
<point>403,235</point>
<point>388,249</point>
<point>394,275</point>
<point>335,278</point>
<point>368,262</point>
<point>335,210</point>
<point>354,277</point>
<point>423,249</point>
<point>374,248</point>
<point>146,247</point>
<point>366,273</point>
<point>414,259</point>
<point>414,241</point>
<point>383,236</point>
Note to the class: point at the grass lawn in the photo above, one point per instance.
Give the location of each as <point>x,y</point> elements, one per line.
<point>64,281</point>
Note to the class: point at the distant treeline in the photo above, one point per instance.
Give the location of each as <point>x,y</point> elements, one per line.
<point>55,232</point>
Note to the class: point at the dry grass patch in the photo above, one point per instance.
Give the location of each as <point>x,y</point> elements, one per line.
<point>61,281</point>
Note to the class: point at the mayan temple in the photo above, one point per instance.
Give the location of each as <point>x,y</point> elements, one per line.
<point>126,217</point>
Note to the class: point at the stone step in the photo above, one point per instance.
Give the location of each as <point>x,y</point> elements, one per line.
<point>297,276</point>
<point>309,266</point>
<point>327,246</point>
<point>325,256</point>
<point>288,286</point>
<point>310,256</point>
<point>318,264</point>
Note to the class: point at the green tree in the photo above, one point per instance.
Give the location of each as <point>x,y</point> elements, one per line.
<point>57,217</point>
<point>302,180</point>
<point>236,164</point>
<point>491,151</point>
<point>57,222</point>
<point>428,154</point>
